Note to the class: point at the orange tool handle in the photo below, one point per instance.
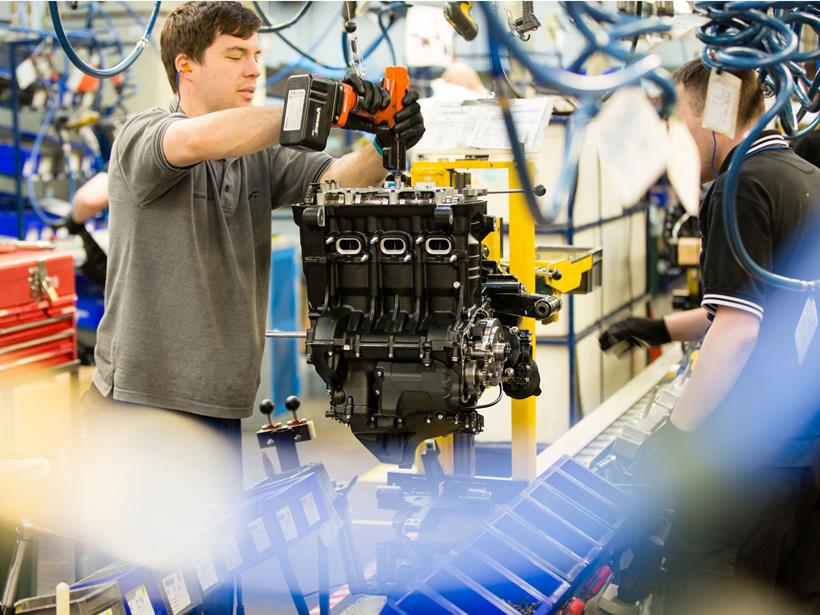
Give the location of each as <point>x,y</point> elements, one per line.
<point>396,82</point>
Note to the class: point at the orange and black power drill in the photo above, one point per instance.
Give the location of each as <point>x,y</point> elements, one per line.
<point>315,104</point>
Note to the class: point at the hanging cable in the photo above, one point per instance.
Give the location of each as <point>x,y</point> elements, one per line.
<point>495,401</point>
<point>126,6</point>
<point>384,36</point>
<point>307,55</point>
<point>743,35</point>
<point>299,60</point>
<point>54,10</point>
<point>269,27</point>
<point>588,89</point>
<point>34,159</point>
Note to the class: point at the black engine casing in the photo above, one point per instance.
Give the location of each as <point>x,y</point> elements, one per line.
<point>403,328</point>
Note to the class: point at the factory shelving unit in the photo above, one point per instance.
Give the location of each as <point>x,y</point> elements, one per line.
<point>17,50</point>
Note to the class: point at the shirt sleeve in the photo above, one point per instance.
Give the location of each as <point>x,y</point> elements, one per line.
<point>725,282</point>
<point>139,160</point>
<point>293,171</point>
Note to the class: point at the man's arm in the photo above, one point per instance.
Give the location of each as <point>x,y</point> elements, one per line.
<point>357,169</point>
<point>91,198</point>
<point>726,349</point>
<point>222,134</point>
<point>688,325</point>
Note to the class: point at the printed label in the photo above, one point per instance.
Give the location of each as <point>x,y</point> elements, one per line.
<point>294,106</point>
<point>205,570</point>
<point>176,592</point>
<point>722,100</point>
<point>259,534</point>
<point>287,523</point>
<point>138,601</point>
<point>230,552</point>
<point>309,506</point>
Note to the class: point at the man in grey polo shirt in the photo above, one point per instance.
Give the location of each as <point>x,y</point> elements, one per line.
<point>180,346</point>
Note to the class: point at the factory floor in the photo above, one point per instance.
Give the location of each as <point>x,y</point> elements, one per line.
<point>264,587</point>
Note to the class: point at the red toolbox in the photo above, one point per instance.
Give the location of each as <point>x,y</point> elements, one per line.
<point>37,311</point>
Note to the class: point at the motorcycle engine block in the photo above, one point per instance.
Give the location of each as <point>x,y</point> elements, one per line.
<point>410,322</point>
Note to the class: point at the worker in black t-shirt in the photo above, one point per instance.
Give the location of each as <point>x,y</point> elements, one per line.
<point>741,446</point>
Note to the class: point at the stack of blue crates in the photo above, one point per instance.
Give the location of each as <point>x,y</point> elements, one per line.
<point>531,555</point>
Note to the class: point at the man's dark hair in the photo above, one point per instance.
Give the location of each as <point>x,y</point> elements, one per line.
<point>192,27</point>
<point>694,76</point>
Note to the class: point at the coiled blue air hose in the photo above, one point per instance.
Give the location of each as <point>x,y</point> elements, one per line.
<point>588,89</point>
<point>124,64</point>
<point>744,35</point>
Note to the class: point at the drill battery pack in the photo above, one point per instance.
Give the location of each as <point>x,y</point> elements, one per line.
<point>311,108</point>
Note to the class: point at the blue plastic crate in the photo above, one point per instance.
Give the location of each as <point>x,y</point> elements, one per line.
<point>7,159</point>
<point>531,554</point>
<point>31,223</point>
<point>90,304</point>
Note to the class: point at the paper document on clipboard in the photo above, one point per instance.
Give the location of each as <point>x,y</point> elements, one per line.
<point>479,124</point>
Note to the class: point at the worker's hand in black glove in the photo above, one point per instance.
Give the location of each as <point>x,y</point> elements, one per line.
<point>373,96</point>
<point>409,125</point>
<point>672,464</point>
<point>631,332</point>
<point>70,224</point>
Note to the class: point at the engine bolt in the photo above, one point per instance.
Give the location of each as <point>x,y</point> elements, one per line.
<point>456,285</point>
<point>440,416</point>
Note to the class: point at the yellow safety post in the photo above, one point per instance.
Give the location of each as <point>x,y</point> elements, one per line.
<point>522,265</point>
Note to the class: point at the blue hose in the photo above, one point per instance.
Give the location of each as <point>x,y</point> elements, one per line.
<point>741,35</point>
<point>34,159</point>
<point>588,89</point>
<point>54,10</point>
<point>302,61</point>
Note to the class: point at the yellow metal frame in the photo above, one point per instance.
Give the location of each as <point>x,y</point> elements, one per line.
<point>571,272</point>
<point>521,264</point>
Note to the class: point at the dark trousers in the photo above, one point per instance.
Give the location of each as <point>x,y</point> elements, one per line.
<point>161,474</point>
<point>733,542</point>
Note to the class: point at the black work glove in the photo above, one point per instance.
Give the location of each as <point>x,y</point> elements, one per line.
<point>664,466</point>
<point>631,332</point>
<point>373,96</point>
<point>70,224</point>
<point>409,125</point>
